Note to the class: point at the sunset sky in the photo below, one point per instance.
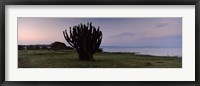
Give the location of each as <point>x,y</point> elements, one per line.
<point>158,32</point>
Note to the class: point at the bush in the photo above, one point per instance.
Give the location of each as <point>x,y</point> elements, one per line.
<point>59,46</point>
<point>20,47</point>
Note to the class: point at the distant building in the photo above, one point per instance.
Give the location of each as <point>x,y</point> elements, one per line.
<point>25,48</point>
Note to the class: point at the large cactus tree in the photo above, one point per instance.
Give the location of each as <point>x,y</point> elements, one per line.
<point>86,39</point>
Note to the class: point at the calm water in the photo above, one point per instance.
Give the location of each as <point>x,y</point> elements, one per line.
<point>146,51</point>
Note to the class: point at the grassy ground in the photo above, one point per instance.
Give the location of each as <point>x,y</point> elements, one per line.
<point>69,59</point>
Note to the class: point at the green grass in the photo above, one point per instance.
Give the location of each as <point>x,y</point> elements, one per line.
<point>69,59</point>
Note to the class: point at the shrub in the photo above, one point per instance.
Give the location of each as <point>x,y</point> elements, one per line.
<point>59,46</point>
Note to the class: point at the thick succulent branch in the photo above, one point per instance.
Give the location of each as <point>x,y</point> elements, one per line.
<point>86,39</point>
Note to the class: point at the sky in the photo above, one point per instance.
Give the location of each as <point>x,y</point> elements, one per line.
<point>156,32</point>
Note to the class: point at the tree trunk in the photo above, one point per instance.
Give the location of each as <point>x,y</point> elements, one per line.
<point>86,56</point>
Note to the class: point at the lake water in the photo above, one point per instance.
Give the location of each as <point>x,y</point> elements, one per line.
<point>146,51</point>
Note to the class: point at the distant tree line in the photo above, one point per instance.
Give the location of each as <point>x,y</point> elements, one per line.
<point>53,46</point>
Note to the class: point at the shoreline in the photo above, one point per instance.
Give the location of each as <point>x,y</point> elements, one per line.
<point>137,54</point>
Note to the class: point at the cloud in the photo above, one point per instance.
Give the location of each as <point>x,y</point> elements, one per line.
<point>125,34</point>
<point>162,25</point>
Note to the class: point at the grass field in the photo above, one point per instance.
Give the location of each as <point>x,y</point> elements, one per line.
<point>69,59</point>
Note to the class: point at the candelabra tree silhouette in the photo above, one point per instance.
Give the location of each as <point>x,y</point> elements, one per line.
<point>86,39</point>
